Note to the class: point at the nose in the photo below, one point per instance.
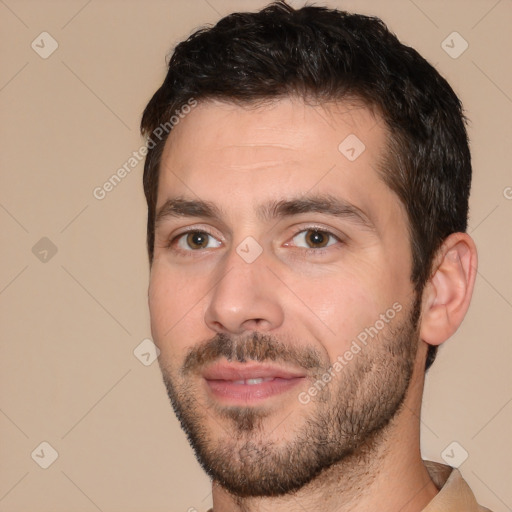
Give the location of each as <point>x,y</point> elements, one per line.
<point>245,298</point>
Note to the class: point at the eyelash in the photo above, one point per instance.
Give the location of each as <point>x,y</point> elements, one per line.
<point>308,251</point>
<point>176,239</point>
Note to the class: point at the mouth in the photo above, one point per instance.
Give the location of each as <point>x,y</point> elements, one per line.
<point>249,383</point>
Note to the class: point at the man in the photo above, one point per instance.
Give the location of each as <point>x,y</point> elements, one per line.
<point>307,183</point>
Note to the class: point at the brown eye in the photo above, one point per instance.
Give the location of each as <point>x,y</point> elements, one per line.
<point>314,239</point>
<point>317,238</point>
<point>197,240</point>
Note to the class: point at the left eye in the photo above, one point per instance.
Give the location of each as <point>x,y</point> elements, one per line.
<point>314,239</point>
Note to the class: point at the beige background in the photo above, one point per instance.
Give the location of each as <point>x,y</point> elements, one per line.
<point>70,324</point>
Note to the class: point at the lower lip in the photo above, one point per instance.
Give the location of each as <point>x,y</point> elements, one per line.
<point>236,393</point>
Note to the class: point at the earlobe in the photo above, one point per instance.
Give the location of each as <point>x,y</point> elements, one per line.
<point>447,294</point>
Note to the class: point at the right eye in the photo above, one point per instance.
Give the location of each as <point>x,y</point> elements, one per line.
<point>196,240</point>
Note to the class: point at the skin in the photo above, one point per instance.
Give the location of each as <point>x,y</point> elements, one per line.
<point>239,158</point>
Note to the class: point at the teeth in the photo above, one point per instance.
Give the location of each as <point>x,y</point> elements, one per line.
<point>251,382</point>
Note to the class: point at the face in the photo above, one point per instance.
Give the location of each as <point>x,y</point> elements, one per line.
<point>280,293</point>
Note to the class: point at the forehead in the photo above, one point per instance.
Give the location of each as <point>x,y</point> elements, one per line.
<point>285,124</point>
<point>244,154</point>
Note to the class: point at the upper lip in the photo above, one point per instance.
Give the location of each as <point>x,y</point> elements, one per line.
<point>251,370</point>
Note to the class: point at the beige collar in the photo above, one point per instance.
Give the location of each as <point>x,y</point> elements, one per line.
<point>454,493</point>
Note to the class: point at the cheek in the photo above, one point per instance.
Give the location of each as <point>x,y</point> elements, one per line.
<point>336,308</point>
<point>175,308</point>
<point>333,309</point>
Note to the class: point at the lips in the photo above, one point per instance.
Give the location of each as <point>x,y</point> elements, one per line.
<point>252,382</point>
<point>245,383</point>
<point>245,371</point>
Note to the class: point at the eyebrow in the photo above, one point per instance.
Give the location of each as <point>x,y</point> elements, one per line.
<point>273,210</point>
<point>180,207</point>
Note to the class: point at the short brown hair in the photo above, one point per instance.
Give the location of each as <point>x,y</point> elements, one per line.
<point>327,55</point>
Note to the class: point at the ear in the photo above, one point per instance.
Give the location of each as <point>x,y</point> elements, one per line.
<point>448,292</point>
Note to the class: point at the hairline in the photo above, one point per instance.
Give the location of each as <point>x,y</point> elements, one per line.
<point>387,164</point>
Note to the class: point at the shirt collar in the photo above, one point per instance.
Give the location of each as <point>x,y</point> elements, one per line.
<point>454,493</point>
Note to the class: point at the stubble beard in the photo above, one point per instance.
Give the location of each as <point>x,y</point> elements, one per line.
<point>346,420</point>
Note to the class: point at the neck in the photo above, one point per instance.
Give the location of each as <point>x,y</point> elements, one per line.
<point>386,474</point>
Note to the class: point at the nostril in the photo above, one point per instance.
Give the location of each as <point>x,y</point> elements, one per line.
<point>218,326</point>
<point>254,323</point>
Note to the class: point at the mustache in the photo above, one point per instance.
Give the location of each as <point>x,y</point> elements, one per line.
<point>255,347</point>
